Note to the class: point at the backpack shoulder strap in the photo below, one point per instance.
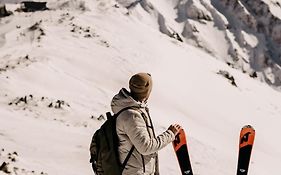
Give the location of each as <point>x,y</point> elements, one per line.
<point>123,165</point>
<point>124,109</point>
<point>127,158</point>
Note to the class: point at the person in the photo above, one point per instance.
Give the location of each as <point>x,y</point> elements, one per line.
<point>135,129</point>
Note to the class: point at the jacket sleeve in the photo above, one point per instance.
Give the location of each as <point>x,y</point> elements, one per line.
<point>138,134</point>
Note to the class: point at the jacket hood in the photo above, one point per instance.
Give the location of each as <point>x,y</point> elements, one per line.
<point>123,99</point>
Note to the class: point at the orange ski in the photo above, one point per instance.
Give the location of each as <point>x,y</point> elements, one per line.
<point>246,142</point>
<point>180,147</point>
<point>247,136</point>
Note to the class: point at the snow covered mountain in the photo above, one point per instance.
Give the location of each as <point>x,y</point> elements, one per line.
<point>215,66</point>
<point>245,34</point>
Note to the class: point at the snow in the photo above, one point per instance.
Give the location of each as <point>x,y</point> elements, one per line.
<point>274,7</point>
<point>250,39</point>
<point>85,57</point>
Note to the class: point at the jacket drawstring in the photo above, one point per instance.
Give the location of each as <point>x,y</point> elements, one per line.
<point>156,158</point>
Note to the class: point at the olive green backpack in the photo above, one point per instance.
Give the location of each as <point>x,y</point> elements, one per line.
<point>104,148</point>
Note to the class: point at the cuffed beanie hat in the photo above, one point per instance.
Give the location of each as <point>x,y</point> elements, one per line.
<point>140,85</point>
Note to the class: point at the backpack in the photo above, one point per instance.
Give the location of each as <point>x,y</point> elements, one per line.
<point>104,148</point>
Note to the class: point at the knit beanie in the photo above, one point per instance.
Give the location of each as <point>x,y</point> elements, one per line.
<point>140,85</point>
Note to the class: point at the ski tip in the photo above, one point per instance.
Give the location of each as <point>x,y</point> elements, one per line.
<point>248,126</point>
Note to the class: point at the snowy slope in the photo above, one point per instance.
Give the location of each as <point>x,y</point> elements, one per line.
<point>59,70</point>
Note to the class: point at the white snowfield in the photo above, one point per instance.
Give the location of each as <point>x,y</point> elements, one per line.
<point>60,68</point>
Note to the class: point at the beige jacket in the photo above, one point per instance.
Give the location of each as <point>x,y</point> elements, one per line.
<point>135,128</point>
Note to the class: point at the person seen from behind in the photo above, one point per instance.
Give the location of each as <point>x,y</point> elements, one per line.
<point>135,129</point>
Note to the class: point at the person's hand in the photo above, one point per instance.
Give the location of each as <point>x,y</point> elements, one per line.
<point>175,128</point>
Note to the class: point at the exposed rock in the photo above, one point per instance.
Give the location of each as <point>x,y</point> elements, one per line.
<point>3,11</point>
<point>228,76</point>
<point>32,6</point>
<point>4,167</point>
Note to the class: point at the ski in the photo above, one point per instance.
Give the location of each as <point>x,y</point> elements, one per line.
<point>246,141</point>
<point>180,147</point>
